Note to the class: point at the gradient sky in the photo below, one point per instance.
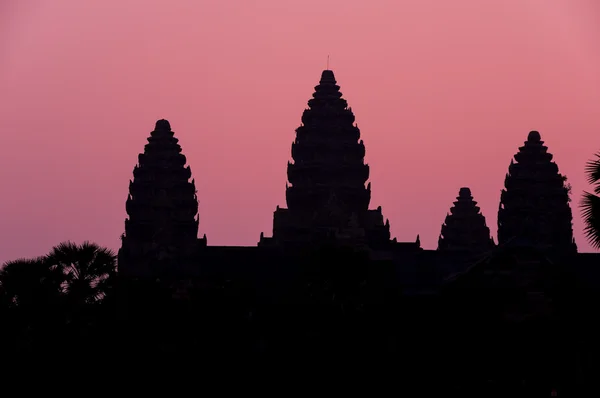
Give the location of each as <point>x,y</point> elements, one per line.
<point>444,93</point>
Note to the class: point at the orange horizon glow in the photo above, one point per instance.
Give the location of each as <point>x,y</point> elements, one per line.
<point>444,94</point>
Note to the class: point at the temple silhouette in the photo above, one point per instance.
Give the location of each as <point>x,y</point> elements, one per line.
<point>328,287</point>
<point>330,280</point>
<point>328,203</point>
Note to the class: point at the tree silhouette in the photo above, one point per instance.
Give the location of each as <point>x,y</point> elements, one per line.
<point>88,271</point>
<point>31,304</point>
<point>29,283</point>
<point>590,203</point>
<point>52,304</point>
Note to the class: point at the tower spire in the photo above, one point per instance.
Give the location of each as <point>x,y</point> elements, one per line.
<point>534,206</point>
<point>327,61</point>
<point>161,205</point>
<point>328,174</point>
<point>464,227</point>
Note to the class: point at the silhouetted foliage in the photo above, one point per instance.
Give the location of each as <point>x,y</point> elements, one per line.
<point>58,296</point>
<point>88,271</point>
<point>590,203</point>
<point>30,283</point>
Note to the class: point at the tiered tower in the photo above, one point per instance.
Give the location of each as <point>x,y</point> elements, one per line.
<point>162,205</point>
<point>464,228</point>
<point>534,207</point>
<point>327,198</point>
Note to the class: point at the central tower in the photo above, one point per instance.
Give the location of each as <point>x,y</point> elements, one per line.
<point>326,195</point>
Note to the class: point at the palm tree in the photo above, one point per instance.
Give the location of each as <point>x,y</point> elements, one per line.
<point>46,298</point>
<point>29,283</point>
<point>31,302</point>
<point>89,271</point>
<point>590,203</point>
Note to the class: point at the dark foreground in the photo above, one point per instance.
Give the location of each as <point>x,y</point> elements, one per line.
<point>467,337</point>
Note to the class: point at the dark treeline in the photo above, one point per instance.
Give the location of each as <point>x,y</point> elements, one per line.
<point>331,305</point>
<point>48,304</point>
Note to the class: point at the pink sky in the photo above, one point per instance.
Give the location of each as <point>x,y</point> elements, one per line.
<point>444,93</point>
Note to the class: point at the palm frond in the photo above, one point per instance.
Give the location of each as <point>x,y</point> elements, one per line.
<point>592,170</point>
<point>28,281</point>
<point>84,267</point>
<point>590,211</point>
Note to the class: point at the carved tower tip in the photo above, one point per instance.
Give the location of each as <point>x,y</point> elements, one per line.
<point>534,136</point>
<point>327,77</point>
<point>465,192</point>
<point>163,124</point>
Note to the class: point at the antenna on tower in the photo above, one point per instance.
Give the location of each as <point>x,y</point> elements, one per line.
<point>327,61</point>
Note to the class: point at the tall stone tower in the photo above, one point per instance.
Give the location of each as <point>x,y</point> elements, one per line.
<point>327,197</point>
<point>534,206</point>
<point>464,228</point>
<point>162,205</point>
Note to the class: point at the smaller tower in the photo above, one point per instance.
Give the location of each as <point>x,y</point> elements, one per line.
<point>465,228</point>
<point>162,227</point>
